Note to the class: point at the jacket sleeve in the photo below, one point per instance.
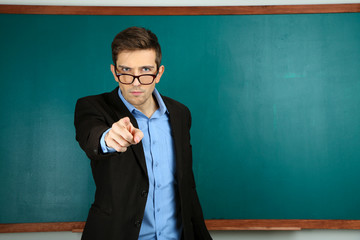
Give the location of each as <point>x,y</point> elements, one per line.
<point>198,221</point>
<point>90,124</point>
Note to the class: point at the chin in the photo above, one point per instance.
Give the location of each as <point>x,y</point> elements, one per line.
<point>136,102</point>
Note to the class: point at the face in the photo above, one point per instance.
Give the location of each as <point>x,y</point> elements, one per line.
<point>136,63</point>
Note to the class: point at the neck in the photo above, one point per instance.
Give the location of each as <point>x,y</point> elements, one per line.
<point>149,109</point>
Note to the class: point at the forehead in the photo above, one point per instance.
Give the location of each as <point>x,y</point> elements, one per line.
<point>137,58</point>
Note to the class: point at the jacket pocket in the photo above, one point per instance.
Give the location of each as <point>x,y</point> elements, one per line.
<point>98,225</point>
<point>102,211</point>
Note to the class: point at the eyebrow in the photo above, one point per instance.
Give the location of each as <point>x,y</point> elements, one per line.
<point>123,66</point>
<point>146,66</point>
<point>151,67</point>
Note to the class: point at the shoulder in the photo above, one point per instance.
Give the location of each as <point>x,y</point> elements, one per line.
<point>178,111</point>
<point>172,105</point>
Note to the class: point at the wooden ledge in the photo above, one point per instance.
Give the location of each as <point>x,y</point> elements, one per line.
<point>283,224</point>
<point>213,225</point>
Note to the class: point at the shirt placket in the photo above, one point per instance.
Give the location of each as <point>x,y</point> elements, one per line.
<point>157,176</point>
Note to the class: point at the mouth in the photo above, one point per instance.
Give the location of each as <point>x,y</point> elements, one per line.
<point>136,93</point>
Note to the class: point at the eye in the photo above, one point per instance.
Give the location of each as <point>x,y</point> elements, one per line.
<point>125,69</point>
<point>146,69</point>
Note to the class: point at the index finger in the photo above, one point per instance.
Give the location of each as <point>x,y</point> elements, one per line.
<point>138,135</point>
<point>127,125</point>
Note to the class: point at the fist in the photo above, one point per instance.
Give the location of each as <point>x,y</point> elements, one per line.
<point>123,134</point>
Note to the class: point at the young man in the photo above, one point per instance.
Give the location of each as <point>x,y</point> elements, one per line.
<point>139,145</point>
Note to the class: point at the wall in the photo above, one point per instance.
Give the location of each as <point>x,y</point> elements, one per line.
<point>217,235</point>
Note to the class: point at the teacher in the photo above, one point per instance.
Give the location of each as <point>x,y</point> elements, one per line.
<point>138,142</point>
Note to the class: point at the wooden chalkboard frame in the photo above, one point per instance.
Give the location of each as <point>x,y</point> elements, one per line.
<point>204,10</point>
<point>236,224</point>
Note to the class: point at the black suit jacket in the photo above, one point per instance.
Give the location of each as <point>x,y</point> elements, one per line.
<point>121,178</point>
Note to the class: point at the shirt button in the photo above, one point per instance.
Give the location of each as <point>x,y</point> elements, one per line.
<point>158,210</point>
<point>156,164</point>
<point>138,223</point>
<point>159,233</point>
<point>159,185</point>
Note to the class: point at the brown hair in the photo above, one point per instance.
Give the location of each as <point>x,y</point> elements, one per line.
<point>135,38</point>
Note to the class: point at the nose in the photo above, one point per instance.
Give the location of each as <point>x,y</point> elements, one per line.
<point>136,82</point>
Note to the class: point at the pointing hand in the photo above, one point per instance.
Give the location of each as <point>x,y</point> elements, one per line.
<point>123,134</point>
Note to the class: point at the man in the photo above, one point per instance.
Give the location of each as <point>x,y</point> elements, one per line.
<point>139,145</point>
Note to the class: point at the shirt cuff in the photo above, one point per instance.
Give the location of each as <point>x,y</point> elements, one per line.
<point>104,148</point>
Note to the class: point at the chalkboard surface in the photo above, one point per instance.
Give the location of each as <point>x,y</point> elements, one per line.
<point>275,101</point>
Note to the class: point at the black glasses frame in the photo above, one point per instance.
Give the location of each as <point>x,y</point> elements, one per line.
<point>135,77</point>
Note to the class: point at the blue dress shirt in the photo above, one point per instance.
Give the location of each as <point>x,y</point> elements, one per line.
<point>162,218</point>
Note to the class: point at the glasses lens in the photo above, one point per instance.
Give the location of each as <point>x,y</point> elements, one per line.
<point>126,78</point>
<point>146,79</point>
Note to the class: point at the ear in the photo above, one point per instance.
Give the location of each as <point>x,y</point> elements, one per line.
<point>112,69</point>
<point>160,73</point>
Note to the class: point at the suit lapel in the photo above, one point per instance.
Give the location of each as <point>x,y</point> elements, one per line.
<point>121,111</point>
<point>175,122</point>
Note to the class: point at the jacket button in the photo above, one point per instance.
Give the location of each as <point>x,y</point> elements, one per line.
<point>138,223</point>
<point>144,193</point>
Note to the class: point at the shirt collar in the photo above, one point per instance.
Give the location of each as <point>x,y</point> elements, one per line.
<point>162,108</point>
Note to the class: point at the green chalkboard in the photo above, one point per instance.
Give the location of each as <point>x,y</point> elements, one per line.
<point>275,101</point>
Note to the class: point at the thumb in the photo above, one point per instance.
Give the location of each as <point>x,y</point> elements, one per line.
<point>138,135</point>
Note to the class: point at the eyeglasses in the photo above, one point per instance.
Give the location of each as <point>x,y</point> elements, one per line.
<point>145,79</point>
